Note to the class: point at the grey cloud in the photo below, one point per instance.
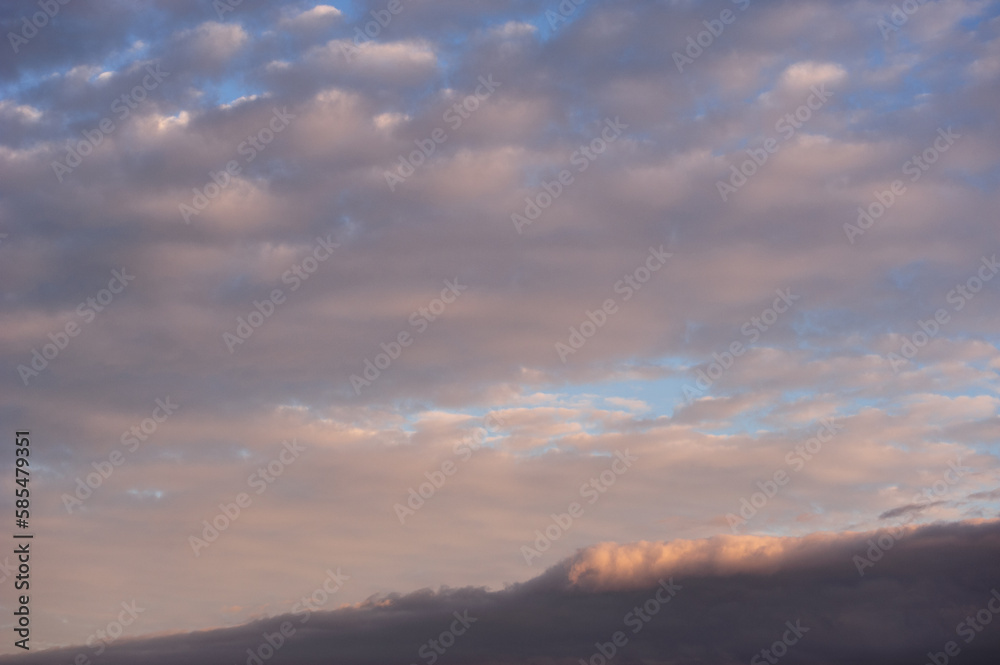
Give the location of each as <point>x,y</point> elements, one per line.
<point>909,509</point>
<point>905,606</point>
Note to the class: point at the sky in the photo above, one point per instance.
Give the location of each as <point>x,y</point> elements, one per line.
<point>352,318</point>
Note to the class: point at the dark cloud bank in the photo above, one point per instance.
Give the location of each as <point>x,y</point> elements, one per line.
<point>736,595</point>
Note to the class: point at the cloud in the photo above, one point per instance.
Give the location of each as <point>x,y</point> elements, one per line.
<point>806,74</point>
<point>494,350</point>
<point>312,19</point>
<point>911,509</point>
<point>720,601</point>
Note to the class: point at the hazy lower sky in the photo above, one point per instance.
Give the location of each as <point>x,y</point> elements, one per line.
<point>419,299</point>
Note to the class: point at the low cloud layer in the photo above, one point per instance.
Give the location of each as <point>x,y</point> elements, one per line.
<point>718,601</point>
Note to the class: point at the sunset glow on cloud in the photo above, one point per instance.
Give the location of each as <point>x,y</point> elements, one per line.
<point>387,310</point>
